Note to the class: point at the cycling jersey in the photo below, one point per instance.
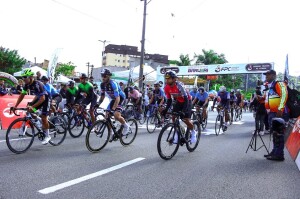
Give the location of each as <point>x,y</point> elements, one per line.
<point>112,89</point>
<point>202,97</point>
<point>178,92</point>
<point>86,88</point>
<point>238,98</point>
<point>70,94</point>
<point>158,95</point>
<point>52,92</point>
<point>37,87</point>
<point>232,99</point>
<point>193,93</point>
<point>224,98</point>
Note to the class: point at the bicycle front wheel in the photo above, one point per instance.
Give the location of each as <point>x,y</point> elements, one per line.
<point>97,136</point>
<point>20,135</point>
<point>218,124</point>
<point>189,145</point>
<point>132,131</point>
<point>59,132</point>
<point>151,123</point>
<point>76,126</point>
<point>167,146</point>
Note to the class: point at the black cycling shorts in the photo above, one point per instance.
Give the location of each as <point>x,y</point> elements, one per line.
<point>87,101</point>
<point>45,106</point>
<point>200,103</point>
<point>119,107</point>
<point>178,107</point>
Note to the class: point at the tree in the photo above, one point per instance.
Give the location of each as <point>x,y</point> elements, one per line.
<point>65,69</point>
<point>184,61</point>
<point>210,57</point>
<point>10,61</point>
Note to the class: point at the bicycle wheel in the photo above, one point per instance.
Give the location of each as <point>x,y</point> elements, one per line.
<point>165,146</point>
<point>204,123</point>
<point>97,136</point>
<point>76,126</point>
<point>192,146</point>
<point>130,137</point>
<point>59,132</point>
<point>151,123</point>
<point>240,115</point>
<point>218,124</point>
<point>20,135</point>
<point>236,115</point>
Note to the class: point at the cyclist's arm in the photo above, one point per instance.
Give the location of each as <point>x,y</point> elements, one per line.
<point>116,94</point>
<point>20,98</point>
<point>151,100</point>
<point>39,102</point>
<point>78,96</point>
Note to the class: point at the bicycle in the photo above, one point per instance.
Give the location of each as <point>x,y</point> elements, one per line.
<point>197,114</point>
<point>78,122</point>
<point>238,113</point>
<point>21,131</point>
<point>132,111</point>
<point>154,119</point>
<point>220,121</point>
<point>99,133</point>
<point>167,134</point>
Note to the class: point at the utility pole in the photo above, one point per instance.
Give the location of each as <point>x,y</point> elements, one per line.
<point>104,42</point>
<point>143,47</point>
<point>88,65</point>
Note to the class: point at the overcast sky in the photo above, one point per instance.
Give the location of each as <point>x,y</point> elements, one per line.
<point>244,30</point>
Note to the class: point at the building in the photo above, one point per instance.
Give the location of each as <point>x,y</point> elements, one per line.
<point>124,56</point>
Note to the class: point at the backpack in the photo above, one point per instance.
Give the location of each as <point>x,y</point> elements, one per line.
<point>293,101</point>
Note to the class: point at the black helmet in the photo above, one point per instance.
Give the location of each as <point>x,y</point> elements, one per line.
<point>44,78</point>
<point>130,88</point>
<point>106,72</point>
<point>71,82</point>
<point>170,74</point>
<point>83,75</point>
<point>201,89</point>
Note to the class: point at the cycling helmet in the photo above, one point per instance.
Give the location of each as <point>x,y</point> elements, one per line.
<point>106,72</point>
<point>83,75</point>
<point>170,74</point>
<point>27,72</point>
<point>238,91</point>
<point>130,88</point>
<point>222,89</point>
<point>201,89</point>
<point>44,78</point>
<point>232,91</point>
<point>71,82</point>
<point>157,83</point>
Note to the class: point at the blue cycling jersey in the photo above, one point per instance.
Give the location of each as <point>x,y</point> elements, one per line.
<point>50,90</point>
<point>112,89</point>
<point>225,97</point>
<point>193,94</point>
<point>202,97</point>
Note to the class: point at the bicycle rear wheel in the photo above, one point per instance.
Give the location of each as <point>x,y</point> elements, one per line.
<point>218,124</point>
<point>20,135</point>
<point>130,136</point>
<point>59,132</point>
<point>76,126</point>
<point>97,136</point>
<point>165,146</point>
<point>192,146</point>
<point>151,123</point>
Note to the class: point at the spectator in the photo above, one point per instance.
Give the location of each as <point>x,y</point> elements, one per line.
<point>275,103</point>
<point>63,91</point>
<point>38,75</point>
<point>20,86</point>
<point>260,111</point>
<point>3,90</point>
<point>13,89</point>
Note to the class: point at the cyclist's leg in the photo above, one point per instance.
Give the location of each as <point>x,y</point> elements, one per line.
<point>45,107</point>
<point>92,107</point>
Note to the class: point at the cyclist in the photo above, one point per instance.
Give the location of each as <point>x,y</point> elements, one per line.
<point>201,99</point>
<point>158,98</point>
<point>40,101</point>
<point>175,89</point>
<point>239,99</point>
<point>193,92</point>
<point>136,98</point>
<point>117,96</point>
<point>55,97</point>
<point>232,102</point>
<point>87,95</point>
<point>223,98</point>
<point>71,93</point>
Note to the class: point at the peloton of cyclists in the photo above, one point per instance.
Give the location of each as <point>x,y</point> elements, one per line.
<point>223,98</point>
<point>201,100</point>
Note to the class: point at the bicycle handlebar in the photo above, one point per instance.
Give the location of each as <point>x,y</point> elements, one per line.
<point>13,109</point>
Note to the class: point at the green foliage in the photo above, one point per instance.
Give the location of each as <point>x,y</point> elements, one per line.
<point>65,69</point>
<point>10,61</point>
<point>184,60</point>
<point>210,57</point>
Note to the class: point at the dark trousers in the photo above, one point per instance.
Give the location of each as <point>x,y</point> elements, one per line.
<point>259,121</point>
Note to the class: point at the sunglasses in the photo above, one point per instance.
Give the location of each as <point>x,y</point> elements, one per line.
<point>104,76</point>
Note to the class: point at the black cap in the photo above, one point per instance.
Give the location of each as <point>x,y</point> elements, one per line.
<point>83,75</point>
<point>44,78</point>
<point>270,72</point>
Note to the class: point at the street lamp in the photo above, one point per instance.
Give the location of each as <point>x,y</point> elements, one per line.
<point>104,42</point>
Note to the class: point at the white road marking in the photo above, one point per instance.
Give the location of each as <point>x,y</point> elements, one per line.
<point>15,139</point>
<point>210,132</point>
<point>87,177</point>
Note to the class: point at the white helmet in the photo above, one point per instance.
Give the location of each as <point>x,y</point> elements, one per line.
<point>222,89</point>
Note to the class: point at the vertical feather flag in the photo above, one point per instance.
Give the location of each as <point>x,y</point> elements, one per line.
<point>286,71</point>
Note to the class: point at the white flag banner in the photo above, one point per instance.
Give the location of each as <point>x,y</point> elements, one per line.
<point>53,63</point>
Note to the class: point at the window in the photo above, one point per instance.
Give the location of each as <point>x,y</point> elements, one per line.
<point>123,61</point>
<point>118,60</point>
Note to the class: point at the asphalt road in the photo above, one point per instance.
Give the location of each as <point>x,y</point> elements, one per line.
<point>218,168</point>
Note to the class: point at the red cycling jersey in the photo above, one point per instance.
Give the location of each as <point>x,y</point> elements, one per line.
<point>177,91</point>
